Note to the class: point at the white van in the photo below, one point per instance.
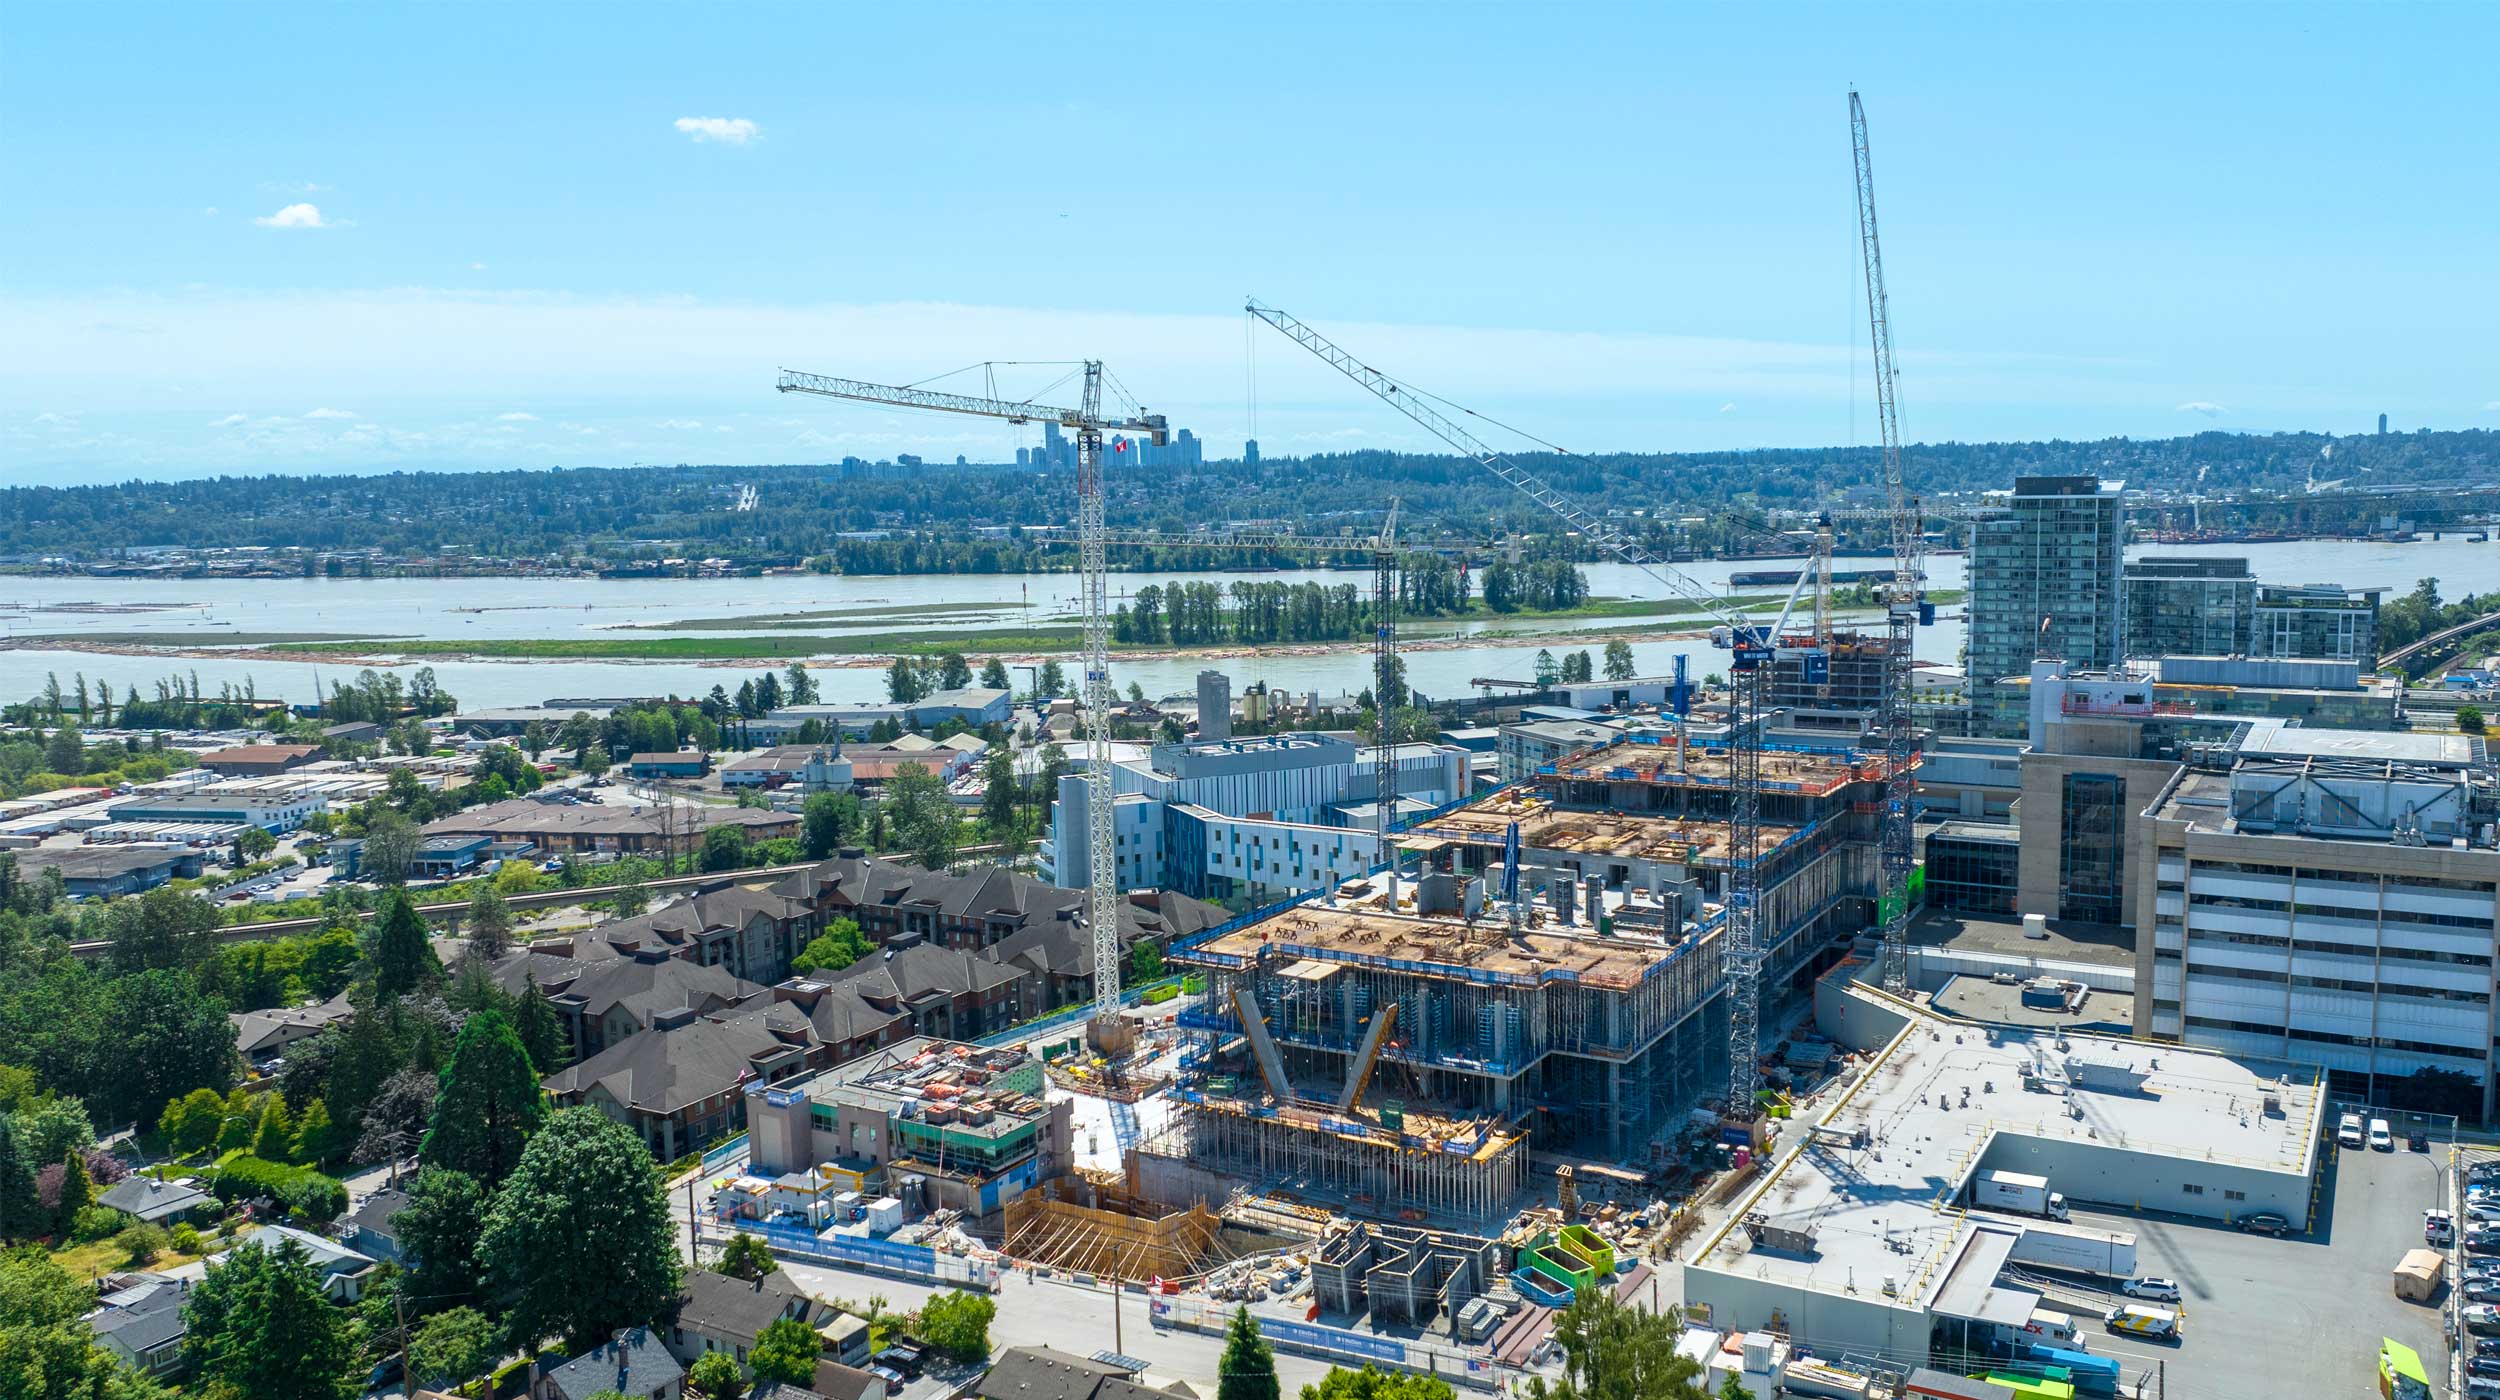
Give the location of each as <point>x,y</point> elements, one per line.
<point>2348,1131</point>
<point>2138,1320</point>
<point>2381,1140</point>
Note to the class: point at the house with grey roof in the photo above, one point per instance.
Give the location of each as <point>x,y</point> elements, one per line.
<point>372,1228</point>
<point>343,1271</point>
<point>680,1084</point>
<point>716,1312</point>
<point>752,933</point>
<point>606,1000</point>
<point>636,1365</point>
<point>155,1201</point>
<point>261,1036</point>
<point>1046,1373</point>
<point>944,993</point>
<point>138,1318</point>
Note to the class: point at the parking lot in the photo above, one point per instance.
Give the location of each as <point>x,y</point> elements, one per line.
<point>2296,1316</point>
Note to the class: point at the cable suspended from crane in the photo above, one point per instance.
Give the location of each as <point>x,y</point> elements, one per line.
<point>1108,1032</point>
<point>1751,646</point>
<point>1906,608</point>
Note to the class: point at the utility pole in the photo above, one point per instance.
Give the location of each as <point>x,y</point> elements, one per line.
<point>1116,1344</point>
<point>693,1240</point>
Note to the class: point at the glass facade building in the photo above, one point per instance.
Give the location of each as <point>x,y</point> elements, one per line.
<point>2044,580</point>
<point>2320,620</point>
<point>2189,607</point>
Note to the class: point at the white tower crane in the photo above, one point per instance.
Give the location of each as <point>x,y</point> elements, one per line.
<point>1752,646</point>
<point>1905,604</point>
<point>1108,1032</point>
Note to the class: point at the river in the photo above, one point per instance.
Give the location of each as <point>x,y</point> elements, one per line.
<point>195,612</point>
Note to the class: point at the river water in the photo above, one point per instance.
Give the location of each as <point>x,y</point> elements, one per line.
<point>196,612</point>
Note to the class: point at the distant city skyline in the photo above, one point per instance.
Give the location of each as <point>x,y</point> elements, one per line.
<point>393,237</point>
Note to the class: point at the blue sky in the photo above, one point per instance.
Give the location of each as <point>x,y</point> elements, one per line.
<point>589,235</point>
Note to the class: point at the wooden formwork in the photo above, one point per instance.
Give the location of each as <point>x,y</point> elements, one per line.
<point>1116,1234</point>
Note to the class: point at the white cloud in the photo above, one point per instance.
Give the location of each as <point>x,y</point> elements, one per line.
<point>231,420</point>
<point>681,424</point>
<point>2492,407</point>
<point>295,216</point>
<point>516,417</point>
<point>1727,408</point>
<point>2210,410</point>
<point>477,267</point>
<point>210,211</point>
<point>292,187</point>
<point>729,131</point>
<point>330,413</point>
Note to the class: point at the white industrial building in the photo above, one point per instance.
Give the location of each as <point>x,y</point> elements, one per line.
<point>2327,896</point>
<point>1860,1238</point>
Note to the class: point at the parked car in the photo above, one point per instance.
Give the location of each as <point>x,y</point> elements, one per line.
<point>2483,1366</point>
<point>893,1379</point>
<point>2264,1222</point>
<point>2481,1319</point>
<point>2482,1290</point>
<point>2482,1388</point>
<point>2487,1346</point>
<point>902,1357</point>
<point>2158,1290</point>
<point>2418,1140</point>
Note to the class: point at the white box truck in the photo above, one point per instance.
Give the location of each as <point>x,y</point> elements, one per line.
<point>2021,1194</point>
<point>2056,1327</point>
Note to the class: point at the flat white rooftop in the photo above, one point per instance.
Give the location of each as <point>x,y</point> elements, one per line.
<point>2443,750</point>
<point>1886,1209</point>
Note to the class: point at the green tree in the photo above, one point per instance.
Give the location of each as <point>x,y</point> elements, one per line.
<point>1613,1352</point>
<point>2469,719</point>
<point>923,815</point>
<point>439,1230</point>
<point>958,1324</point>
<point>171,1038</point>
<point>541,1029</point>
<point>1001,796</point>
<point>273,1132</point>
<point>954,673</point>
<point>1372,1383</point>
<point>65,752</point>
<point>633,892</point>
<point>391,842</point>
<point>489,922</point>
<point>255,843</point>
<point>402,959</point>
<point>903,683</point>
<point>21,1209</point>
<point>46,1349</point>
<point>1145,962</point>
<point>489,1105</point>
<point>579,1240</point>
<point>747,1257</point>
<point>839,946</point>
<point>77,1191</point>
<point>316,1141</point>
<point>162,928</point>
<point>1248,1368</point>
<point>190,1123</point>
<point>824,820</point>
<point>451,1347</point>
<point>787,1350</point>
<point>715,1377</point>
<point>1619,666</point>
<point>994,675</point>
<point>724,848</point>
<point>260,1326</point>
<point>1576,668</point>
<point>140,1244</point>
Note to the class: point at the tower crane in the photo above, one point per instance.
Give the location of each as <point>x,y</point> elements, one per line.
<point>1905,603</point>
<point>1386,692</point>
<point>1752,648</point>
<point>1108,1033</point>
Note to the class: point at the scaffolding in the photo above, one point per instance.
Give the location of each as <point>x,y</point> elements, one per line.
<point>1383,1172</point>
<point>1096,1227</point>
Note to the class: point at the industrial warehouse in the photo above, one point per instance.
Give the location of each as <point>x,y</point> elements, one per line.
<point>1867,1240</point>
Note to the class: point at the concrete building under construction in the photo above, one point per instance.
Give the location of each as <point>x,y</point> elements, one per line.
<point>1548,974</point>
